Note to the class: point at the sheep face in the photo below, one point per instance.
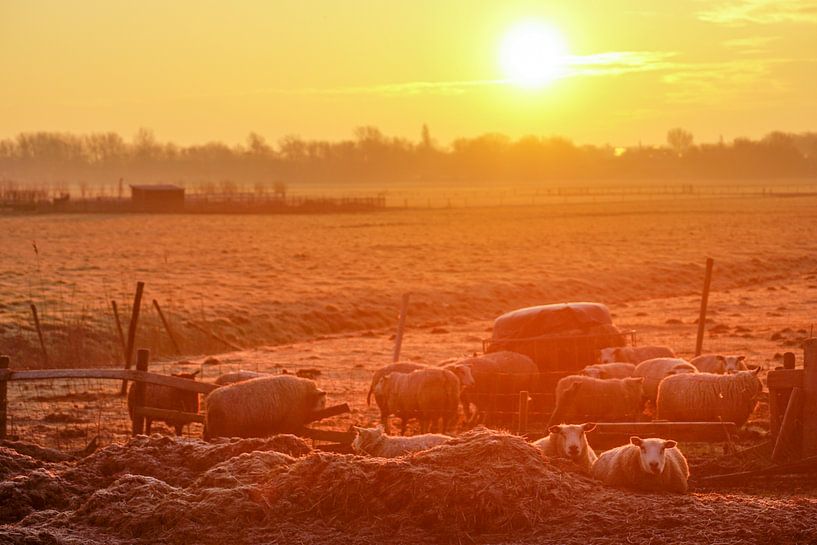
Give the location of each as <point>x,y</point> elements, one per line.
<point>593,371</point>
<point>652,453</point>
<point>319,400</point>
<point>732,364</point>
<point>463,373</point>
<point>365,438</point>
<point>571,441</point>
<point>608,355</point>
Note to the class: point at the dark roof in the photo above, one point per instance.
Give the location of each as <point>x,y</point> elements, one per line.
<point>157,187</point>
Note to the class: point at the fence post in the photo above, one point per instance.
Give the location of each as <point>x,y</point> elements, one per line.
<point>523,412</point>
<point>810,397</point>
<point>785,445</point>
<point>137,420</point>
<point>167,327</point>
<point>134,320</point>
<point>39,333</point>
<point>401,325</point>
<point>699,343</point>
<point>4,364</point>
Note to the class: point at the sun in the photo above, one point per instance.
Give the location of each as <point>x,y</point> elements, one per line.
<point>533,54</point>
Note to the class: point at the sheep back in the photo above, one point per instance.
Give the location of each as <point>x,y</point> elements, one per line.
<point>581,399</point>
<point>428,392</point>
<point>656,369</point>
<point>706,397</point>
<point>399,367</point>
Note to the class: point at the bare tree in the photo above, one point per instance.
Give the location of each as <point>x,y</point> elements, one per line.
<point>680,140</point>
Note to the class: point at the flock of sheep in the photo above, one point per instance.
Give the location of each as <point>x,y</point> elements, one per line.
<point>626,383</point>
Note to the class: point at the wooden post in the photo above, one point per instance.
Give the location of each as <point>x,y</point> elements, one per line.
<point>119,330</point>
<point>137,419</point>
<point>134,320</point>
<point>810,397</point>
<point>401,324</point>
<point>785,445</point>
<point>699,343</point>
<point>4,364</point>
<point>523,412</point>
<point>167,327</point>
<point>39,333</point>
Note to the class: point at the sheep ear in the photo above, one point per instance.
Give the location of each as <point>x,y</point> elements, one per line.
<point>555,429</point>
<point>720,358</point>
<point>635,440</point>
<point>756,370</point>
<point>670,443</point>
<point>588,426</point>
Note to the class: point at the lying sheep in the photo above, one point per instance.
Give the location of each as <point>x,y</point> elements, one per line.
<point>655,370</point>
<point>385,411</point>
<point>498,377</point>
<point>569,441</point>
<point>706,397</point>
<point>719,364</point>
<point>426,394</point>
<point>634,354</point>
<point>237,376</point>
<point>645,464</point>
<point>374,442</point>
<point>168,398</point>
<point>580,398</point>
<point>609,370</point>
<point>261,406</point>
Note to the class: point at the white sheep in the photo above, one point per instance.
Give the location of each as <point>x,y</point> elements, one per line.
<point>580,398</point>
<point>719,364</point>
<point>656,369</point>
<point>237,376</point>
<point>706,397</point>
<point>373,442</point>
<point>426,394</point>
<point>399,367</point>
<point>644,464</point>
<point>262,406</point>
<point>168,398</point>
<point>634,354</point>
<point>569,441</point>
<point>609,370</point>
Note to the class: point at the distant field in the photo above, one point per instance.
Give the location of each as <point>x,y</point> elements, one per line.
<point>275,279</point>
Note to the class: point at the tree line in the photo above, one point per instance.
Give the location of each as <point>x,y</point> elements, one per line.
<point>371,157</point>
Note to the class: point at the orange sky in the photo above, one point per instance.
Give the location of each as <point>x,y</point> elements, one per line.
<point>195,71</point>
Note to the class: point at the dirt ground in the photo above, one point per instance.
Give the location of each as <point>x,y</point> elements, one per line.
<point>322,294</point>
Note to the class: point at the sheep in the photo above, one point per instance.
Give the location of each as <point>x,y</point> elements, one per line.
<point>656,369</point>
<point>168,398</point>
<point>579,398</point>
<point>237,376</point>
<point>374,442</point>
<point>498,377</point>
<point>569,441</point>
<point>719,364</point>
<point>609,370</point>
<point>706,397</point>
<point>261,406</point>
<point>634,354</point>
<point>644,464</point>
<point>463,373</point>
<point>427,394</point>
<point>401,367</point>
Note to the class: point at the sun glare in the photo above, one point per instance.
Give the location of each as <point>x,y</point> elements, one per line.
<point>533,54</point>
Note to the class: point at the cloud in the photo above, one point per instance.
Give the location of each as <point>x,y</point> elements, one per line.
<point>742,12</point>
<point>615,63</point>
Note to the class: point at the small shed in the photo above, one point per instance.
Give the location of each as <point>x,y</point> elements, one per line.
<point>157,198</point>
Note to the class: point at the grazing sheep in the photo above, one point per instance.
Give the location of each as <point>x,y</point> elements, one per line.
<point>374,442</point>
<point>634,354</point>
<point>656,369</point>
<point>580,398</point>
<point>261,406</point>
<point>426,394</point>
<point>238,376</point>
<point>706,397</point>
<point>402,367</point>
<point>496,375</point>
<point>719,364</point>
<point>609,370</point>
<point>168,398</point>
<point>645,464</point>
<point>569,441</point>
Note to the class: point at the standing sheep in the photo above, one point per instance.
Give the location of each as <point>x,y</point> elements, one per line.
<point>426,394</point>
<point>569,441</point>
<point>580,398</point>
<point>385,411</point>
<point>498,377</point>
<point>645,464</point>
<point>609,370</point>
<point>262,406</point>
<point>374,442</point>
<point>634,354</point>
<point>167,398</point>
<point>238,376</point>
<point>656,369</point>
<point>706,397</point>
<point>719,364</point>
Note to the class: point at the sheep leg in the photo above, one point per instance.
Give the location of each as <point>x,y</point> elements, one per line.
<point>384,420</point>
<point>148,424</point>
<point>403,423</point>
<point>178,428</point>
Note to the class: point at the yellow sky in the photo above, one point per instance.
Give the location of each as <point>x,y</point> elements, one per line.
<point>195,71</point>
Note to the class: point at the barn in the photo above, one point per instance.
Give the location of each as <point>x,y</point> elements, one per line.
<point>157,198</point>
